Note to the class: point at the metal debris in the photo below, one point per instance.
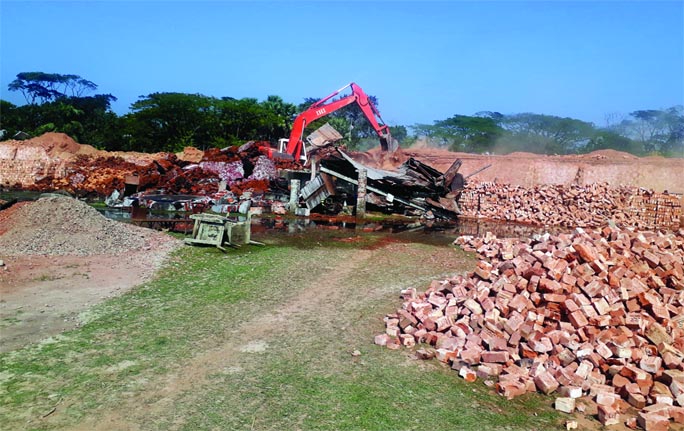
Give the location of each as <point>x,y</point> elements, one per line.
<point>218,231</point>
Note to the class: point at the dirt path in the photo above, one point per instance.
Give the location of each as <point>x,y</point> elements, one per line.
<point>253,336</point>
<point>316,311</point>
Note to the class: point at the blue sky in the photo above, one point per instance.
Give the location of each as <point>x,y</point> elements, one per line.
<point>424,61</point>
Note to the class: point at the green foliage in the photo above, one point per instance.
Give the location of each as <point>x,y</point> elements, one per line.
<point>607,139</point>
<point>646,132</point>
<point>9,121</point>
<point>658,131</point>
<point>400,133</point>
<point>464,133</point>
<point>44,87</point>
<point>172,121</point>
<point>62,108</point>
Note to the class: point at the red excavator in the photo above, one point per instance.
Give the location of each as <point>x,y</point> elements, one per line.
<point>294,147</point>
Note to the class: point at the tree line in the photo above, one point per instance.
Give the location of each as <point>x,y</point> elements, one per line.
<point>643,132</point>
<point>170,121</point>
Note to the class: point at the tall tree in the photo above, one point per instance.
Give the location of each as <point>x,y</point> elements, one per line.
<point>464,133</point>
<point>554,134</point>
<point>658,131</point>
<point>171,121</point>
<point>45,87</point>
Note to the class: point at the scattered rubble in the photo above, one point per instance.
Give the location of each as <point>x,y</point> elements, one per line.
<point>596,313</point>
<point>243,168</point>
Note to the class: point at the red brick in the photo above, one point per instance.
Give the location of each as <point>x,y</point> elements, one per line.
<point>554,297</point>
<point>382,339</point>
<point>619,381</point>
<point>593,288</point>
<point>393,344</point>
<point>608,415</point>
<point>602,307</point>
<point>606,399</point>
<point>660,409</point>
<point>650,363</point>
<point>671,360</point>
<point>586,252</point>
<point>444,355</point>
<point>578,319</point>
<point>471,356</point>
<point>513,322</point>
<point>489,370</point>
<point>651,259</point>
<point>653,422</point>
<point>510,389</point>
<point>636,400</point>
<point>633,373</point>
<point>495,357</point>
<point>546,383</point>
<point>468,374</point>
<point>565,404</point>
<point>407,340</point>
<point>425,354</point>
<point>570,391</point>
<point>393,331</point>
<point>677,414</point>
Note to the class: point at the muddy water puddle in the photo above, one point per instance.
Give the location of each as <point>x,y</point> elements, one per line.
<point>346,231</point>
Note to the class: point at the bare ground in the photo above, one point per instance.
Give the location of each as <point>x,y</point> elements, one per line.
<point>251,337</point>
<point>41,296</point>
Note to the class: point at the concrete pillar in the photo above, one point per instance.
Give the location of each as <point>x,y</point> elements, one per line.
<point>294,195</point>
<point>361,195</point>
<point>313,167</point>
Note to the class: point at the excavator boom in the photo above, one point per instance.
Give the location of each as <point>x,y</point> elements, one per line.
<point>326,107</point>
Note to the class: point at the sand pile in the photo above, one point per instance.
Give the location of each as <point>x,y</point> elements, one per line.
<point>65,226</point>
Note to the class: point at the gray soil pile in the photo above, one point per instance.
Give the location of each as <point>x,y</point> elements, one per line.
<point>65,226</point>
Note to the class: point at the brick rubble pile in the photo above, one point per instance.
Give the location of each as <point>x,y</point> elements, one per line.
<point>596,313</point>
<point>571,205</point>
<point>54,161</point>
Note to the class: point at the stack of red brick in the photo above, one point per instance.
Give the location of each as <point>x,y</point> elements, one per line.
<point>571,205</point>
<point>595,313</point>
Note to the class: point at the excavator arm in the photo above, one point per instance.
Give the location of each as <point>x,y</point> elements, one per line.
<point>324,107</point>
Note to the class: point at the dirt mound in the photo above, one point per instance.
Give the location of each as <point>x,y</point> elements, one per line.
<point>610,154</point>
<point>65,226</point>
<point>523,154</point>
<point>59,145</point>
<point>140,159</point>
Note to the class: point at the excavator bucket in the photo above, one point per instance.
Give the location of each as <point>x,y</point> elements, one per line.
<point>389,144</point>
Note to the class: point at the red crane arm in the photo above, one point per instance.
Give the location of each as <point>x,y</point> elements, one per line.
<point>321,109</point>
